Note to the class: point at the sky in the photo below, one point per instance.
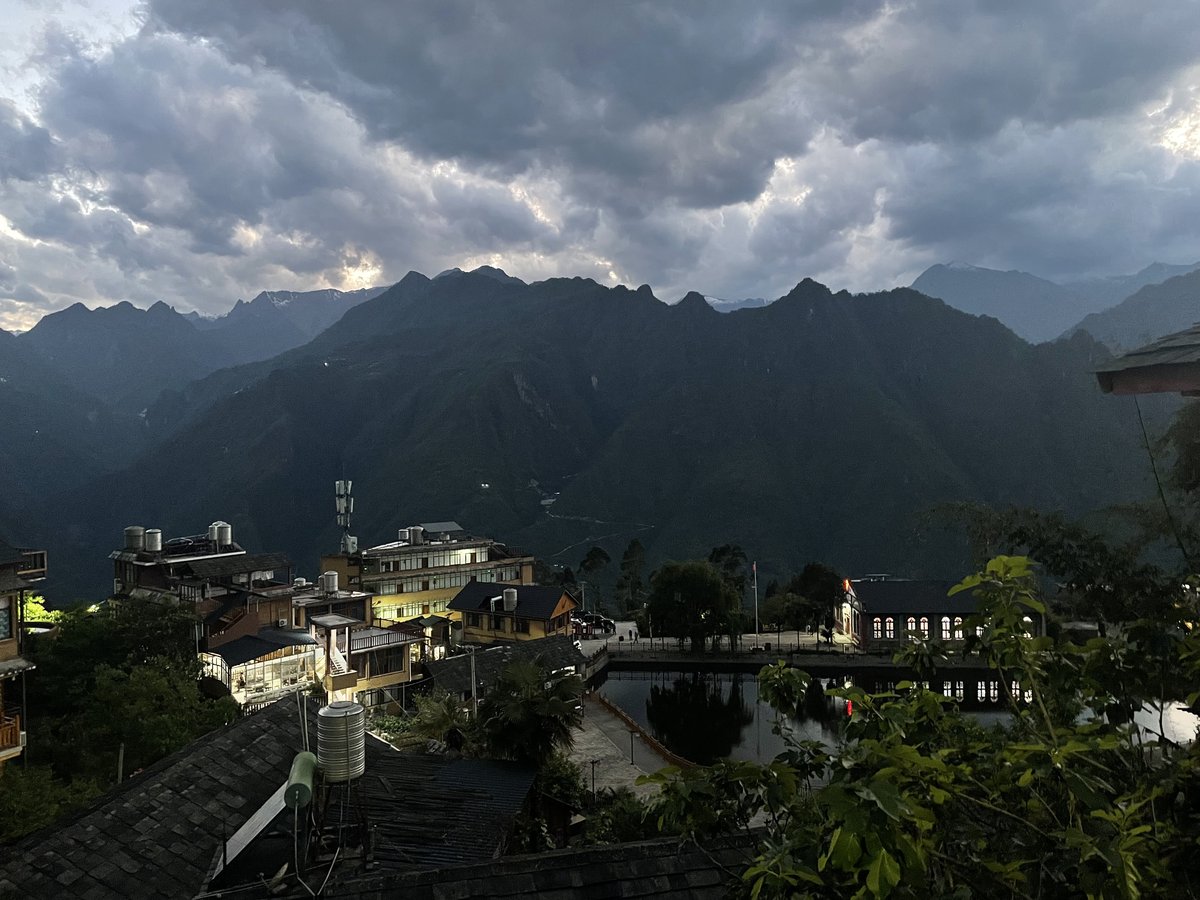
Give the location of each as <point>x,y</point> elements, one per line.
<point>198,151</point>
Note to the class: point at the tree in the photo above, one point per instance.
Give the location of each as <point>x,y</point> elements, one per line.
<point>920,801</point>
<point>32,798</point>
<point>630,584</point>
<point>691,601</point>
<point>824,587</point>
<point>35,610</point>
<point>591,565</point>
<point>125,675</point>
<point>442,717</point>
<point>530,713</point>
<point>730,560</point>
<point>151,710</point>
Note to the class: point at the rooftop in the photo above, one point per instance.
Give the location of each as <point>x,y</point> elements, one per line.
<point>1170,364</point>
<point>663,869</point>
<point>453,673</point>
<point>155,834</point>
<point>534,601</point>
<point>901,596</point>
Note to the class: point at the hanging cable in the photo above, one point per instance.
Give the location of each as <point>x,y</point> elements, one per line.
<point>1162,496</point>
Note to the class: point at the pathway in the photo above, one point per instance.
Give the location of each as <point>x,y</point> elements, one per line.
<point>603,738</point>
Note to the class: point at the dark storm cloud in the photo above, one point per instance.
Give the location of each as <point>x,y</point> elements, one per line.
<point>660,99</point>
<point>230,146</point>
<point>27,151</point>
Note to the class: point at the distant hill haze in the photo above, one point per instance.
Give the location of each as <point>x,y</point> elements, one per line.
<point>1035,308</point>
<point>127,356</point>
<point>817,427</point>
<point>1153,312</point>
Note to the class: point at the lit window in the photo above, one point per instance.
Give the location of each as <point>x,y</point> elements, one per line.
<point>889,628</point>
<point>945,628</point>
<point>958,632</point>
<point>911,626</point>
<point>925,627</point>
<point>877,628</point>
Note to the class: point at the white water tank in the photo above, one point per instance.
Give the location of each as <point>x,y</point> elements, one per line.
<point>510,599</point>
<point>135,537</point>
<point>329,582</point>
<point>341,741</point>
<point>154,540</point>
<point>214,532</point>
<point>224,534</point>
<point>416,535</point>
<point>299,583</point>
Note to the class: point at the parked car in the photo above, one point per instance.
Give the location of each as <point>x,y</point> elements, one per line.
<point>600,623</point>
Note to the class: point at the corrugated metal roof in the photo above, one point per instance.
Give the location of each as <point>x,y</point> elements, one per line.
<point>239,565</point>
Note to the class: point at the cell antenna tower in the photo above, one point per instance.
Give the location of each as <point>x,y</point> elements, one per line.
<point>345,509</point>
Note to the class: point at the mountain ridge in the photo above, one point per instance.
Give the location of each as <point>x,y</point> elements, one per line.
<point>817,426</point>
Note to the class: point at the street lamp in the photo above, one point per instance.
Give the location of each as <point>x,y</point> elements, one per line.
<point>594,762</point>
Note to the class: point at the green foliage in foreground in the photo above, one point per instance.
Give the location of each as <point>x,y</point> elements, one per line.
<point>125,677</point>
<point>919,801</point>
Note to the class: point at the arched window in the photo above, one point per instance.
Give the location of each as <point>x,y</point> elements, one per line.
<point>911,627</point>
<point>981,691</point>
<point>958,634</point>
<point>945,628</point>
<point>877,628</point>
<point>925,627</point>
<point>889,628</point>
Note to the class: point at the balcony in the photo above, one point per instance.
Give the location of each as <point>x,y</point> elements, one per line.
<point>10,736</point>
<point>33,565</point>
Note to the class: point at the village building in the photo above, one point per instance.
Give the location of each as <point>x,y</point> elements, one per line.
<point>896,611</point>
<point>498,613</point>
<point>417,575</point>
<point>19,570</point>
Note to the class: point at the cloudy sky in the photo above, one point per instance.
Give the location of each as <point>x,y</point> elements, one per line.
<point>198,151</point>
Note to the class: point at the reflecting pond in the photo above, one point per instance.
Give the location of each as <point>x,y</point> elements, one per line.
<point>705,716</point>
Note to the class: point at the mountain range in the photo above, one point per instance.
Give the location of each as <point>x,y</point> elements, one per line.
<point>563,413</point>
<point>127,356</point>
<point>1041,310</point>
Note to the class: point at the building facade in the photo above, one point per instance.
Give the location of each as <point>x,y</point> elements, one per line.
<point>493,613</point>
<point>19,571</point>
<point>421,572</point>
<point>896,611</point>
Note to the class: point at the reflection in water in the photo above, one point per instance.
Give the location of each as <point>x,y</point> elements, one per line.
<point>699,716</point>
<point>704,716</point>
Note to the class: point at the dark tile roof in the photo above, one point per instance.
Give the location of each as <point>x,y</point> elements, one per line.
<point>155,835</point>
<point>1175,359</point>
<point>222,567</point>
<point>534,601</point>
<point>453,673</point>
<point>10,556</point>
<point>424,811</point>
<point>11,581</point>
<point>662,869</point>
<point>901,597</point>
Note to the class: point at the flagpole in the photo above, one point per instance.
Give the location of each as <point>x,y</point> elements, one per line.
<point>754,569</point>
